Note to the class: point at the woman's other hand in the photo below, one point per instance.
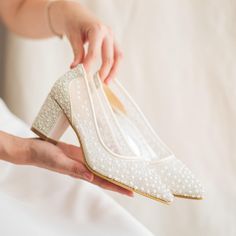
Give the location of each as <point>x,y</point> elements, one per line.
<point>62,158</point>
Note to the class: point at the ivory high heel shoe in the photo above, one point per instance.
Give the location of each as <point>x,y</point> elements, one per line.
<point>145,142</point>
<point>73,101</point>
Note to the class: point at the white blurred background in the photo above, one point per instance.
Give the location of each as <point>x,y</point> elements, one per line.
<point>180,66</point>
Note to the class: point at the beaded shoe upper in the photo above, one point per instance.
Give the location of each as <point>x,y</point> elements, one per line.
<point>173,173</point>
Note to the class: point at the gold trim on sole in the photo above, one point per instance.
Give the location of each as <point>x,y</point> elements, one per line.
<point>187,197</point>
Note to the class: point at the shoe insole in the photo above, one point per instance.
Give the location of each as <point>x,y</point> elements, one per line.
<point>113,99</point>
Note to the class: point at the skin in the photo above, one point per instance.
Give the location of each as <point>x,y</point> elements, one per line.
<point>28,18</point>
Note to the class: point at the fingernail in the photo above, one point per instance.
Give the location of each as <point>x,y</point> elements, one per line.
<point>88,176</point>
<point>72,65</point>
<point>106,81</point>
<point>129,194</point>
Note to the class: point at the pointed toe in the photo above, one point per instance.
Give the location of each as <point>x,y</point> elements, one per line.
<point>179,178</point>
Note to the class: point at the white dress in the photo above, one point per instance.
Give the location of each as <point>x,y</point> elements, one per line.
<point>50,204</point>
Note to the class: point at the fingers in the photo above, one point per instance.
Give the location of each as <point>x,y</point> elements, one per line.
<point>67,159</point>
<point>107,57</point>
<point>55,158</point>
<point>95,38</point>
<point>76,155</point>
<point>78,49</point>
<point>100,45</point>
<point>76,166</point>
<point>73,152</point>
<point>73,168</point>
<point>110,186</point>
<point>117,58</point>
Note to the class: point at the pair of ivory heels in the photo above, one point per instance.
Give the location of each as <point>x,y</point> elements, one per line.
<point>118,142</point>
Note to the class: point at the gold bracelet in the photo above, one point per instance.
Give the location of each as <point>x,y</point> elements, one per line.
<point>50,25</point>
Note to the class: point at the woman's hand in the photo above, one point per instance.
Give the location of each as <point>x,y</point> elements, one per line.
<point>62,158</point>
<point>81,27</point>
<point>70,18</point>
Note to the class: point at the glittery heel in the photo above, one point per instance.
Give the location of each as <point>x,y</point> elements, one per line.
<point>51,122</point>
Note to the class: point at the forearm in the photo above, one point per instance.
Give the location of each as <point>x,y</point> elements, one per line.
<point>29,18</point>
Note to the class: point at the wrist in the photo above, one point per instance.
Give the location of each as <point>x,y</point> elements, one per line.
<point>68,15</point>
<point>2,146</point>
<point>14,149</point>
<point>56,17</point>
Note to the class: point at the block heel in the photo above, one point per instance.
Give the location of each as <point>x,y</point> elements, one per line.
<point>51,122</point>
